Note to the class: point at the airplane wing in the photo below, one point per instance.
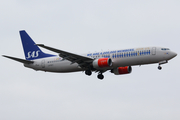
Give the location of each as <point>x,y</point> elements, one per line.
<point>19,60</point>
<point>83,61</point>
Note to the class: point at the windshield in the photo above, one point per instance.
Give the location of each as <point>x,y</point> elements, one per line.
<point>165,49</point>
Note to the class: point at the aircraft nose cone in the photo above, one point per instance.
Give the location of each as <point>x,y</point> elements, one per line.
<point>173,54</point>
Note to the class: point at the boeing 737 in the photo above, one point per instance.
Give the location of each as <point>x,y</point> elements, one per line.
<point>118,61</point>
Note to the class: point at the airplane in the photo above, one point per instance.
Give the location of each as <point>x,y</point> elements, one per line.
<point>118,61</point>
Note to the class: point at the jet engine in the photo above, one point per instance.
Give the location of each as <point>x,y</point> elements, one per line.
<point>122,70</point>
<point>102,63</point>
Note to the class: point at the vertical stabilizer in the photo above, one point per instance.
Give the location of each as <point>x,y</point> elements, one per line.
<point>31,51</point>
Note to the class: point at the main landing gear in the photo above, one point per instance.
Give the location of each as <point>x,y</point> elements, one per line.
<point>88,72</point>
<point>100,76</point>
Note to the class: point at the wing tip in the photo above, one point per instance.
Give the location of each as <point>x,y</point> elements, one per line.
<point>4,56</point>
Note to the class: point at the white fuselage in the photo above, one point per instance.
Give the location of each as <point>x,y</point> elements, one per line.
<point>120,58</point>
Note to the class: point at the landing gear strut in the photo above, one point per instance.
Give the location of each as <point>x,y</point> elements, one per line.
<point>100,76</point>
<point>88,72</point>
<point>162,62</point>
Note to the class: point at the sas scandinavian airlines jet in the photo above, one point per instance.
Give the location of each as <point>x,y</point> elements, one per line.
<point>117,61</point>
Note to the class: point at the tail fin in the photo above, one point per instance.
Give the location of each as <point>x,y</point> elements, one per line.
<point>31,50</point>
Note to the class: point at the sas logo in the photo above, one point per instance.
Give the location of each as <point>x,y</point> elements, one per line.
<point>33,54</point>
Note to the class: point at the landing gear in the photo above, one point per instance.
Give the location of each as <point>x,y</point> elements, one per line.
<point>100,76</point>
<point>159,67</point>
<point>162,62</point>
<point>88,72</point>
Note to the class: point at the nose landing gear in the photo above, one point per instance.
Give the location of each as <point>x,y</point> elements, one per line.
<point>159,67</point>
<point>162,62</point>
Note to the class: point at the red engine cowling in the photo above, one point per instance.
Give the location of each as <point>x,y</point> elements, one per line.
<point>102,63</point>
<point>122,70</point>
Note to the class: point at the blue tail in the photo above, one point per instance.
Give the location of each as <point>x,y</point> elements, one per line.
<point>31,51</point>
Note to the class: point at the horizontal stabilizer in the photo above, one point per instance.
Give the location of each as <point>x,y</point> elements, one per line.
<point>19,60</point>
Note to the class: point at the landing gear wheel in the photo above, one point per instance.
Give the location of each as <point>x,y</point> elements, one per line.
<point>88,72</point>
<point>100,76</point>
<point>159,67</point>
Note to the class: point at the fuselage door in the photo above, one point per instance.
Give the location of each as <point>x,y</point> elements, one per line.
<point>154,51</point>
<point>43,63</point>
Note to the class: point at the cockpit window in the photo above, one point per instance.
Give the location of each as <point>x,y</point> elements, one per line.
<point>165,49</point>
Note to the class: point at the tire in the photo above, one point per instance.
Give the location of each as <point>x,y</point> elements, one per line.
<point>159,67</point>
<point>88,72</point>
<point>100,76</point>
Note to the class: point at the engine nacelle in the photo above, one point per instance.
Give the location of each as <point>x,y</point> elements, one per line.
<point>102,63</point>
<point>122,70</point>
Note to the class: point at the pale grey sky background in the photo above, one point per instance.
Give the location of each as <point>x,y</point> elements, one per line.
<point>87,26</point>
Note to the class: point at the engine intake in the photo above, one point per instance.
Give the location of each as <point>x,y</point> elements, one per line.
<point>122,70</point>
<point>102,63</point>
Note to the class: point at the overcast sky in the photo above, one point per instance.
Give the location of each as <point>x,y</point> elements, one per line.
<point>87,26</point>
